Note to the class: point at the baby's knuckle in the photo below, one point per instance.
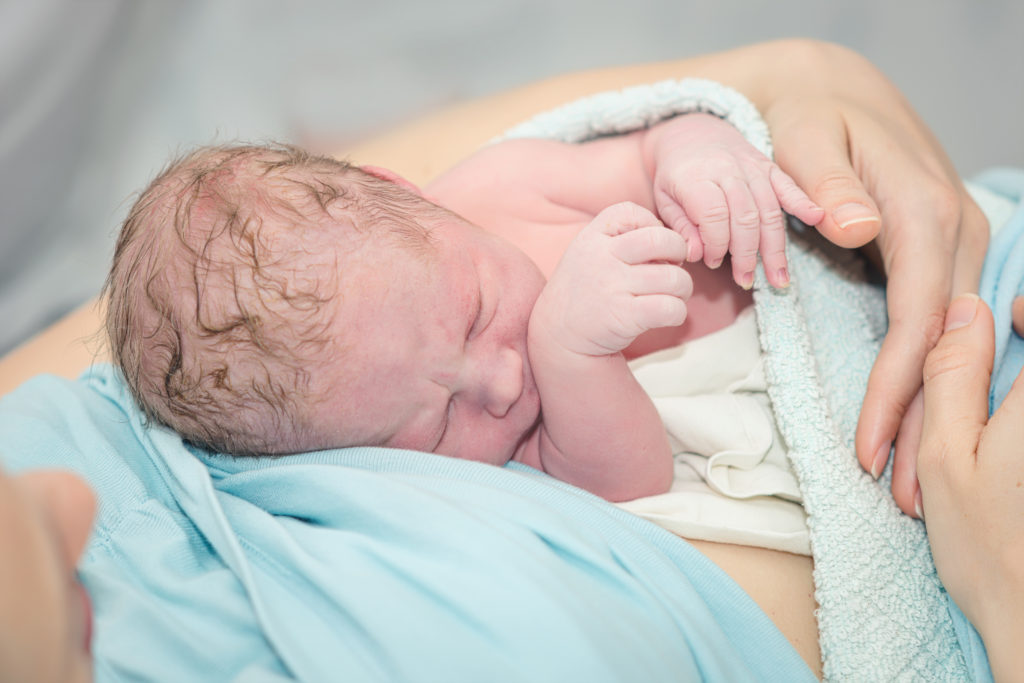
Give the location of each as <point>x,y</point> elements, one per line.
<point>748,219</point>
<point>772,218</point>
<point>715,215</point>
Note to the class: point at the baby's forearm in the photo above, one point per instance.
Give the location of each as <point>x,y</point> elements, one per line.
<point>600,429</point>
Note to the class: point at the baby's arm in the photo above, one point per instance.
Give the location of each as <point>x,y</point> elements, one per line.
<point>620,276</point>
<point>723,195</point>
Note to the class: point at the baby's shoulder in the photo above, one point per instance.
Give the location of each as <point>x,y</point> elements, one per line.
<point>518,166</point>
<point>509,183</point>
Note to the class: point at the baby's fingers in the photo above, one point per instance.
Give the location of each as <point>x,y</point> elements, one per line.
<point>793,199</point>
<point>773,234</point>
<point>674,217</point>
<point>661,278</point>
<point>622,218</point>
<point>658,310</point>
<point>745,223</point>
<point>652,243</point>
<point>706,205</point>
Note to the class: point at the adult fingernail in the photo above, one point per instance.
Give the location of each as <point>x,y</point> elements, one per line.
<point>918,505</point>
<point>881,457</point>
<point>961,311</point>
<point>853,213</point>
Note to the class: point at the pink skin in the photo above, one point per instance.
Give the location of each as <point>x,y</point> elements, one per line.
<point>724,196</point>
<point>456,322</point>
<point>455,378</point>
<point>619,278</point>
<point>45,618</point>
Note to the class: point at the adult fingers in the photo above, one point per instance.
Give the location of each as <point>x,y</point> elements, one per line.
<point>956,381</point>
<point>69,504</point>
<point>905,490</point>
<point>917,293</point>
<point>971,245</point>
<point>813,148</point>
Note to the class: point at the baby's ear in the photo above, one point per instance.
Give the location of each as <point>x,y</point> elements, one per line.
<point>391,177</point>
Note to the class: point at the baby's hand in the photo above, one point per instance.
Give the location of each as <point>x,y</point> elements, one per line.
<point>619,277</point>
<point>722,195</point>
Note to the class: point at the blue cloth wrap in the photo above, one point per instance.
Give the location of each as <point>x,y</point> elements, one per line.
<point>372,565</point>
<point>1002,280</point>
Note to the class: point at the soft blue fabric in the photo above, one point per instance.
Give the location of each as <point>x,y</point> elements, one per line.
<point>373,564</point>
<point>1003,279</point>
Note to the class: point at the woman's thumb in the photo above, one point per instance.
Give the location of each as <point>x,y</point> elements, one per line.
<point>815,152</point>
<point>957,373</point>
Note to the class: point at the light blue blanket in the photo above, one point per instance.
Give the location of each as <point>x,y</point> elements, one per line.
<point>373,565</point>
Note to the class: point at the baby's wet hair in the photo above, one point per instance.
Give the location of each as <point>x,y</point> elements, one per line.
<point>220,298</point>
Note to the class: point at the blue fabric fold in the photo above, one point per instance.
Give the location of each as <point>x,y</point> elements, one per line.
<point>1002,280</point>
<point>372,564</point>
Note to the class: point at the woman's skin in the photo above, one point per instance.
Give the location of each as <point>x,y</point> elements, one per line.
<point>45,618</point>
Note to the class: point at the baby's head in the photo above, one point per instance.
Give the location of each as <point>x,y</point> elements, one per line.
<point>225,283</point>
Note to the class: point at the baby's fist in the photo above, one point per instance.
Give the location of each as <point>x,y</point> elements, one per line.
<point>620,277</point>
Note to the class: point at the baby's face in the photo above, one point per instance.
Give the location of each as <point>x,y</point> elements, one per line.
<point>434,346</point>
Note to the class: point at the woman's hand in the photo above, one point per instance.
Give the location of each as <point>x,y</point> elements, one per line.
<point>971,469</point>
<point>851,141</point>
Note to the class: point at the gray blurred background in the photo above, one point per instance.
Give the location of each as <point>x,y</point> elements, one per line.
<point>95,95</point>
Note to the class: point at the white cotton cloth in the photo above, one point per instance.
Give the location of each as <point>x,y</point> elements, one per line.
<point>733,481</point>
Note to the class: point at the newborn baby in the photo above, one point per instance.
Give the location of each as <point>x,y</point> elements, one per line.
<point>266,301</point>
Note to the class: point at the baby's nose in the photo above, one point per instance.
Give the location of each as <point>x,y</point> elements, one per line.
<point>503,384</point>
